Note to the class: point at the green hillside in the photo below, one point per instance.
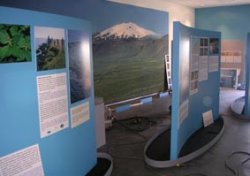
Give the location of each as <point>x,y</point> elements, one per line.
<point>125,69</point>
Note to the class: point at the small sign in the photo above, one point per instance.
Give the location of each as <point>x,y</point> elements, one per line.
<point>25,162</point>
<point>208,118</point>
<point>79,114</point>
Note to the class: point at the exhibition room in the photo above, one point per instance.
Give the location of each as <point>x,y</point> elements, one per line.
<point>125,88</point>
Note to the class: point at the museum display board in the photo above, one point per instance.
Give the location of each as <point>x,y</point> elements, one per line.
<point>46,94</point>
<point>196,81</point>
<point>247,100</point>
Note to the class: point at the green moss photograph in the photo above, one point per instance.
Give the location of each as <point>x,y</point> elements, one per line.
<point>50,52</point>
<point>15,43</point>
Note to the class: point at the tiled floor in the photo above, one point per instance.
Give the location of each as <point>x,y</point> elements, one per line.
<point>126,146</point>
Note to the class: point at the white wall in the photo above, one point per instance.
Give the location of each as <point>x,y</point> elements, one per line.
<point>176,12</point>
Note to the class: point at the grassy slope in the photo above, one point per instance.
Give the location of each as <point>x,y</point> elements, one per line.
<point>128,69</point>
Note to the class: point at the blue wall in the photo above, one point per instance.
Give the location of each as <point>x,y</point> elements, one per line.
<point>233,21</point>
<point>98,12</point>
<point>104,14</point>
<point>71,151</point>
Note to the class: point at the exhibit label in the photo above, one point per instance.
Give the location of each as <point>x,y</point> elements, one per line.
<point>79,114</point>
<point>53,103</point>
<point>25,162</point>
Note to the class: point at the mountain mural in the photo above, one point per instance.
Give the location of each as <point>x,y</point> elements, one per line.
<point>125,31</point>
<point>128,62</point>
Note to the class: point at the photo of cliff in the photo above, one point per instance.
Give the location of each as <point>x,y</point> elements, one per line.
<point>50,50</point>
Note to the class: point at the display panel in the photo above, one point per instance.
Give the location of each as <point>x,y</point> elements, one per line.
<point>35,101</point>
<point>196,81</point>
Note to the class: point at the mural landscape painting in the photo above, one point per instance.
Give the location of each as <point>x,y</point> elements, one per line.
<point>128,61</point>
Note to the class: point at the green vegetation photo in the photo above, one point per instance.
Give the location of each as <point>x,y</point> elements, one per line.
<point>14,43</point>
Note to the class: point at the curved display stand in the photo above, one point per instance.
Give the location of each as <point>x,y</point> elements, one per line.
<point>196,83</point>
<point>237,108</point>
<point>195,99</point>
<point>47,101</point>
<point>155,157</point>
<point>103,167</point>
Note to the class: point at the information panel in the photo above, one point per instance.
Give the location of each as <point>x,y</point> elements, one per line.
<point>23,162</point>
<point>53,103</point>
<point>35,95</point>
<point>196,81</point>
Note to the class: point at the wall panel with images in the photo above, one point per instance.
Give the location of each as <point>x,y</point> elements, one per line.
<point>15,44</point>
<point>46,125</point>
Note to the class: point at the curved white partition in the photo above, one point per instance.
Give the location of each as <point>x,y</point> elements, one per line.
<point>171,163</point>
<point>108,157</point>
<point>237,108</point>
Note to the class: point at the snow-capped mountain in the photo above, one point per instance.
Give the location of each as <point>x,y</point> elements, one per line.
<point>125,31</point>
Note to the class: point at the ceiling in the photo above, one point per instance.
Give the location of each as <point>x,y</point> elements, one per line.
<point>209,3</point>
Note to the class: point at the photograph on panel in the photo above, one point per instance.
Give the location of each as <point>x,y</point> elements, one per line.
<point>214,46</point>
<point>79,65</point>
<point>15,45</point>
<point>50,52</point>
